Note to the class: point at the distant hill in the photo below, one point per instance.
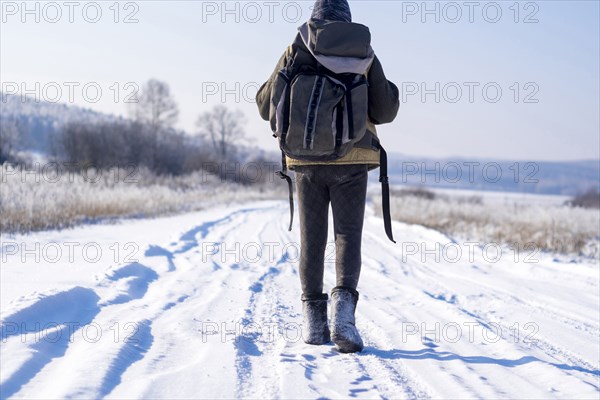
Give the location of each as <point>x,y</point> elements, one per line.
<point>38,121</point>
<point>542,177</point>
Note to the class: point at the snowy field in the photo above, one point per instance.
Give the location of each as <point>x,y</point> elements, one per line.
<point>207,305</point>
<point>488,196</point>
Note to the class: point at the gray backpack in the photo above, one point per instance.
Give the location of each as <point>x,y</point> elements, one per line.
<point>320,116</point>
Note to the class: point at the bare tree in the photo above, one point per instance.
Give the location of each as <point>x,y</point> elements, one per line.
<point>156,108</point>
<point>223,127</point>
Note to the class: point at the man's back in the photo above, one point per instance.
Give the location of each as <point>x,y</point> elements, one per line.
<point>330,41</point>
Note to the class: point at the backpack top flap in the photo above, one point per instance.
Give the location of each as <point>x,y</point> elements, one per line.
<point>341,47</point>
<point>341,39</point>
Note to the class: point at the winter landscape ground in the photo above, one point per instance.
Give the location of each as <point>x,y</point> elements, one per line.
<point>207,305</point>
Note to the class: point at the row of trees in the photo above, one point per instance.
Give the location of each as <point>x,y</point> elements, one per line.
<point>147,139</point>
<point>119,143</point>
<point>124,143</point>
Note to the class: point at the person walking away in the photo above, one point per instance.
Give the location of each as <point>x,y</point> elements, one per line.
<point>329,41</point>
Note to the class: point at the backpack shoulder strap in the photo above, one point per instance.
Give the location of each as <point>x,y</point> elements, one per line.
<point>283,175</point>
<point>385,186</point>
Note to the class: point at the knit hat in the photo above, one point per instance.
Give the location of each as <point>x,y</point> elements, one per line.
<point>332,10</point>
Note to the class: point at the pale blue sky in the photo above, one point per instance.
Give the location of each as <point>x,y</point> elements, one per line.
<point>188,45</point>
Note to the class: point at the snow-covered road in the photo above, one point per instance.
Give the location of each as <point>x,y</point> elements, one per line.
<point>210,308</point>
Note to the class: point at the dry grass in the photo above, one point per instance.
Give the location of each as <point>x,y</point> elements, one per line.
<point>29,204</point>
<point>557,229</point>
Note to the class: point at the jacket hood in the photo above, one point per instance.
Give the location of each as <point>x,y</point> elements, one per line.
<point>341,47</point>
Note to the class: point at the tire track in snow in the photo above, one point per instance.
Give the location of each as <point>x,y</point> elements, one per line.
<point>189,242</point>
<point>563,356</point>
<point>208,291</point>
<point>64,314</point>
<point>263,308</point>
<point>123,291</point>
<point>450,299</point>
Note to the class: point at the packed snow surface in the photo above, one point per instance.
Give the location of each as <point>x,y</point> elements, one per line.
<point>207,305</point>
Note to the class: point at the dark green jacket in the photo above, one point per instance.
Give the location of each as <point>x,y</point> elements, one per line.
<point>344,39</point>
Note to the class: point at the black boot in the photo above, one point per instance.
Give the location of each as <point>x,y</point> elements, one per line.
<point>314,309</point>
<point>343,329</point>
